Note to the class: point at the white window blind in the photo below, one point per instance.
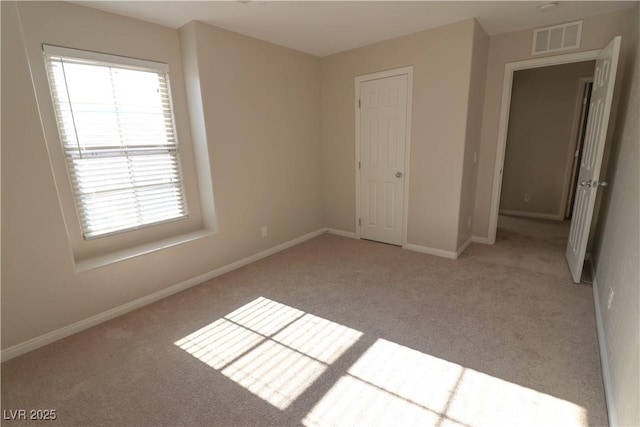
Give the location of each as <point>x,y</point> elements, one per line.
<point>116,125</point>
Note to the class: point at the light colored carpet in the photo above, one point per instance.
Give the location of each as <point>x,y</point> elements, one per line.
<point>528,244</point>
<point>340,332</point>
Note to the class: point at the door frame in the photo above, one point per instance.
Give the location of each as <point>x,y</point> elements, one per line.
<point>579,119</point>
<point>509,69</point>
<point>407,146</point>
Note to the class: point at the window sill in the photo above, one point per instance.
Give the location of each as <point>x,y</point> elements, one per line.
<point>129,253</point>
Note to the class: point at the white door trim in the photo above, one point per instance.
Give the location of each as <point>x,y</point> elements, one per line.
<point>572,161</point>
<point>509,69</point>
<point>375,76</point>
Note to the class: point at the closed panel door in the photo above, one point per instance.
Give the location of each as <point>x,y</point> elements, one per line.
<point>383,131</point>
<point>591,160</point>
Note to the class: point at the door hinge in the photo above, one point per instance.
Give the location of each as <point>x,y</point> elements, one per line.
<point>359,104</point>
<point>359,221</point>
<point>359,165</point>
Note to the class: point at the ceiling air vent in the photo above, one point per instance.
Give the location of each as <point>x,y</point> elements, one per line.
<point>557,37</point>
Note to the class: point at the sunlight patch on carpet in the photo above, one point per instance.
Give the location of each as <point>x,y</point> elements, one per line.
<point>394,385</point>
<point>273,350</point>
<point>277,352</point>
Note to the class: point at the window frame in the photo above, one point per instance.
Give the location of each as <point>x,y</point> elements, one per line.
<point>126,63</point>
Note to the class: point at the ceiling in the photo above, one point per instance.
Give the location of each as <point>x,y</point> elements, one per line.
<point>323,28</point>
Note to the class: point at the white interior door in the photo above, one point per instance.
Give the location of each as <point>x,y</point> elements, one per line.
<point>591,160</point>
<point>383,132</point>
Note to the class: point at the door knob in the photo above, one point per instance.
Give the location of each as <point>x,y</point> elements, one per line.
<point>398,174</point>
<point>594,183</point>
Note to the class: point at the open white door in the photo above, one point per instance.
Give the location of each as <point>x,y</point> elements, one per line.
<point>587,185</point>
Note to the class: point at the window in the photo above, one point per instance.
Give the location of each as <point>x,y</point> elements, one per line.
<point>116,125</point>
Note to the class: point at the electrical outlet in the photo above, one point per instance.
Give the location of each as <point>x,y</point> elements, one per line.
<point>475,156</point>
<point>527,197</point>
<point>610,298</point>
<point>264,231</point>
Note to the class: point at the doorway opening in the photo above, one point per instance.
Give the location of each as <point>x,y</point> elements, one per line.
<point>510,69</point>
<point>548,115</point>
<point>544,139</point>
<point>590,162</point>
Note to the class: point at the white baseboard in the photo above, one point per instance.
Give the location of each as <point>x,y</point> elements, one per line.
<point>479,239</point>
<point>349,234</point>
<point>604,359</point>
<point>464,246</point>
<point>532,215</point>
<point>410,246</point>
<point>66,331</point>
<point>432,251</point>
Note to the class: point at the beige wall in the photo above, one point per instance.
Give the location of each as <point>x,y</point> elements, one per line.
<point>616,249</point>
<point>263,134</point>
<point>262,121</point>
<point>597,31</point>
<point>541,139</point>
<point>442,67</point>
<point>472,140</point>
